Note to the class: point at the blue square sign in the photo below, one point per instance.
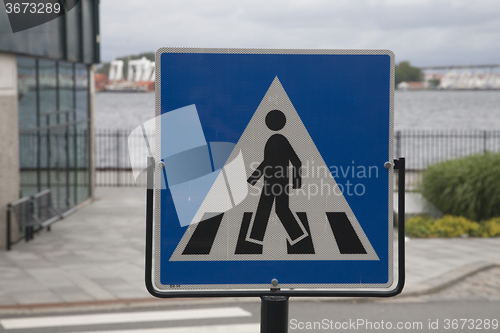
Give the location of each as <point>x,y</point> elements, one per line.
<point>273,169</point>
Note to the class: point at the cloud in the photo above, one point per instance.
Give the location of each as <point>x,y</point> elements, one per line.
<point>426,32</point>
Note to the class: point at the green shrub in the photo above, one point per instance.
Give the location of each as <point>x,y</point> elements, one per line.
<point>489,228</point>
<point>419,226</point>
<point>468,187</point>
<point>453,226</point>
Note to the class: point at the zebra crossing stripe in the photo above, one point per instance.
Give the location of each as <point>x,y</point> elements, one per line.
<point>240,328</point>
<point>204,236</point>
<point>347,240</point>
<point>124,317</point>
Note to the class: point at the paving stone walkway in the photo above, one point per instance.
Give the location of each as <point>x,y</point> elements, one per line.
<point>97,254</point>
<point>484,285</point>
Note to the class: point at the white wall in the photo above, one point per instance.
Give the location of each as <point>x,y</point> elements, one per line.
<point>9,140</point>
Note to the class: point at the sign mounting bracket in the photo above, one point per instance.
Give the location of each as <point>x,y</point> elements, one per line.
<point>271,173</point>
<point>399,165</point>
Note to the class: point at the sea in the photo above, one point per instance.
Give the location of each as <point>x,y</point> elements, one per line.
<point>469,120</point>
<point>430,109</point>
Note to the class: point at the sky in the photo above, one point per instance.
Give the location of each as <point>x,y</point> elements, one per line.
<point>424,32</point>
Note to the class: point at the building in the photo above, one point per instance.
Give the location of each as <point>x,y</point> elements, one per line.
<point>466,80</point>
<point>417,85</point>
<point>46,108</point>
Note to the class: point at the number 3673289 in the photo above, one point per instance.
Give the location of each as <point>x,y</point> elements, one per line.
<point>32,8</point>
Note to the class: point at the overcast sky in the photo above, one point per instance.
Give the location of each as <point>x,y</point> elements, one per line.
<point>425,32</point>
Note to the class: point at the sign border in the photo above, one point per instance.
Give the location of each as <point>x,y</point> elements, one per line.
<point>153,281</point>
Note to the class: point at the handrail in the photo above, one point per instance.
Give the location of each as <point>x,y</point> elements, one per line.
<point>31,217</point>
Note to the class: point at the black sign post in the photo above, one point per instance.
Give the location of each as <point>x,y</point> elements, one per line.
<point>274,304</point>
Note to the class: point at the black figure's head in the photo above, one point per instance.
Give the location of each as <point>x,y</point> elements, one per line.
<point>275,120</point>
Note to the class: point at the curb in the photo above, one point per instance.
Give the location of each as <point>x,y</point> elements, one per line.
<point>447,279</point>
<point>430,286</point>
<point>118,304</point>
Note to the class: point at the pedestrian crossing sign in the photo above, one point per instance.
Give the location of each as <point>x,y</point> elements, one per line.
<point>273,169</point>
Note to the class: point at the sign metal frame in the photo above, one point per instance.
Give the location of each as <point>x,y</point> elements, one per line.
<point>154,199</point>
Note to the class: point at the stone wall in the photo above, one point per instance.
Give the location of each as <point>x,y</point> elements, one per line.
<point>9,141</point>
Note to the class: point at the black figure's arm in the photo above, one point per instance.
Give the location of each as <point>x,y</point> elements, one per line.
<point>296,168</point>
<point>255,176</point>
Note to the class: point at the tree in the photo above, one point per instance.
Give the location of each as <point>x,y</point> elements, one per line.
<point>405,72</point>
<point>434,83</point>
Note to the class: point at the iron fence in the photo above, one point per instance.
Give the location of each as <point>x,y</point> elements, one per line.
<point>421,148</point>
<point>113,166</point>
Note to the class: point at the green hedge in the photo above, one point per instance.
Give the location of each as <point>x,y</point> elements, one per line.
<point>468,187</point>
<point>451,226</point>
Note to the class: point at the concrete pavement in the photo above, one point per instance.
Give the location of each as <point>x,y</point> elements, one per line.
<point>96,256</point>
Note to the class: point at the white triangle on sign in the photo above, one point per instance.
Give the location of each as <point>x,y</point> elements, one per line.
<point>318,195</point>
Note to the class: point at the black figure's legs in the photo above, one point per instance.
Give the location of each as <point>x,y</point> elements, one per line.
<point>287,218</point>
<point>262,215</point>
<point>283,211</point>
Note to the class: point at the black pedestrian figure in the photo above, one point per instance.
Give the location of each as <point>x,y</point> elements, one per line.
<point>278,154</point>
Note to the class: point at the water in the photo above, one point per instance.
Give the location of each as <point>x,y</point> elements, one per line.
<point>447,110</point>
<point>453,124</point>
<point>123,110</point>
<point>413,109</point>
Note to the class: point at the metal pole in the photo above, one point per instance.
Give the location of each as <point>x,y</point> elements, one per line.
<point>149,224</point>
<point>398,143</point>
<point>66,137</point>
<point>274,314</point>
<point>485,135</point>
<point>31,227</point>
<point>75,161</point>
<point>400,165</point>
<point>38,124</point>
<point>8,228</point>
<point>49,159</point>
<point>58,172</point>
<point>117,157</point>
<point>27,235</point>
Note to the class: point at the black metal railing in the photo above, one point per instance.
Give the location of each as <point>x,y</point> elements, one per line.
<point>112,162</point>
<point>28,215</point>
<point>425,147</point>
<point>421,148</point>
